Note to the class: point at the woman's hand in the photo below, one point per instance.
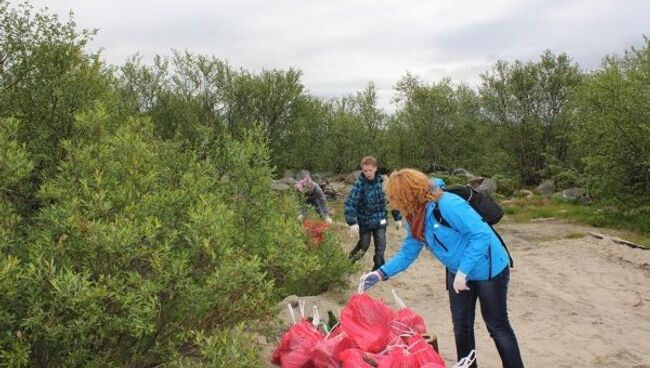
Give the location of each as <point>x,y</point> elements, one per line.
<point>369,279</point>
<point>460,282</point>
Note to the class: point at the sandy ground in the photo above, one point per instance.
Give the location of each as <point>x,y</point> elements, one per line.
<point>574,300</point>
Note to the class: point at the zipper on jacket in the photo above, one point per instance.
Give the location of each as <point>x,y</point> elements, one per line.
<point>435,238</point>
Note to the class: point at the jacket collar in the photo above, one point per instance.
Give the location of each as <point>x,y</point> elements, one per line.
<point>378,179</point>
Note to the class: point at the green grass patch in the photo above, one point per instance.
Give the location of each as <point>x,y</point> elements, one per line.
<point>634,223</point>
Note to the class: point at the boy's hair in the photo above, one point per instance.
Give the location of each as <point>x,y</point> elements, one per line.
<point>408,189</point>
<point>369,160</point>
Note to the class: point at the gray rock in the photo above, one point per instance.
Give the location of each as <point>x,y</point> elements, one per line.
<point>334,190</point>
<point>577,195</point>
<point>319,179</point>
<point>462,172</point>
<point>280,185</point>
<point>524,193</point>
<point>350,179</point>
<point>487,186</point>
<point>547,187</point>
<point>476,181</point>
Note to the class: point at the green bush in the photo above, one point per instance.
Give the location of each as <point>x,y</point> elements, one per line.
<point>135,253</point>
<point>232,347</point>
<point>268,225</point>
<point>139,243</point>
<point>15,167</point>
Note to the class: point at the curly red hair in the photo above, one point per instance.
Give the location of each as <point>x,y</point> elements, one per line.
<point>409,189</point>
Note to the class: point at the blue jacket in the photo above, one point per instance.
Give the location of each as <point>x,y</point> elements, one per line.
<point>366,203</point>
<point>469,245</point>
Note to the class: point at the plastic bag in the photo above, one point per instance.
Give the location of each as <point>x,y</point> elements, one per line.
<point>315,230</point>
<point>296,346</point>
<point>416,354</point>
<point>408,322</point>
<point>423,353</point>
<point>326,353</point>
<point>356,358</point>
<point>366,322</point>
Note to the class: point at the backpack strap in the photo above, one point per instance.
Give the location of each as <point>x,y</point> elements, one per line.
<point>512,262</point>
<point>438,215</point>
<point>441,220</point>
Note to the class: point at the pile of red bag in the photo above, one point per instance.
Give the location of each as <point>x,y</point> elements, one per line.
<point>315,230</point>
<point>370,334</point>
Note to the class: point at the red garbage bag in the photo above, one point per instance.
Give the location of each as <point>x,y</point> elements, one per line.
<point>418,354</point>
<point>432,365</point>
<point>326,353</point>
<point>408,322</point>
<point>315,230</point>
<point>357,358</point>
<point>296,346</point>
<point>366,321</point>
<point>424,352</point>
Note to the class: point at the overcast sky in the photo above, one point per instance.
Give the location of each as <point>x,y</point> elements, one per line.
<point>342,45</point>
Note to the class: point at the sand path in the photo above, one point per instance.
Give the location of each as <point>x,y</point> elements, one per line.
<point>574,301</point>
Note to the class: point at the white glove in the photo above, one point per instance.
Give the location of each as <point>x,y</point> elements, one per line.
<point>301,217</point>
<point>369,280</point>
<point>398,224</point>
<point>328,220</point>
<point>460,282</point>
<point>353,230</point>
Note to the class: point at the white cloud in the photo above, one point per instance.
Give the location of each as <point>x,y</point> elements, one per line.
<point>342,45</point>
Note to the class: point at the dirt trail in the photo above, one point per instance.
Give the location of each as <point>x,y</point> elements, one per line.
<point>574,301</point>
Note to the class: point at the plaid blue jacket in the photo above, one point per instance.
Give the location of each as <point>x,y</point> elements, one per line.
<point>366,203</point>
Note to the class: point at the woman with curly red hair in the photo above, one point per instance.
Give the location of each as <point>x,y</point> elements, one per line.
<point>476,261</point>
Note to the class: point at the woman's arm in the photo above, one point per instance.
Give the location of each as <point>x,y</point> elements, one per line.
<point>409,252</point>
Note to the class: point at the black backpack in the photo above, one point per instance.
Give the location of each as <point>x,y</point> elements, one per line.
<point>482,203</point>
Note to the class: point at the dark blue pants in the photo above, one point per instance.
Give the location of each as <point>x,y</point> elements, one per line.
<point>360,249</point>
<point>493,295</point>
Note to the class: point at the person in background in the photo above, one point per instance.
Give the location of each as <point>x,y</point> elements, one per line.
<point>476,261</point>
<point>312,195</point>
<point>365,212</point>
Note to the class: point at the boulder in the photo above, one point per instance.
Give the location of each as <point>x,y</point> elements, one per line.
<point>320,180</point>
<point>350,179</point>
<point>280,185</point>
<point>485,185</point>
<point>433,168</point>
<point>524,193</point>
<point>288,174</point>
<point>462,172</point>
<point>476,181</point>
<point>335,190</point>
<point>547,187</point>
<point>577,195</point>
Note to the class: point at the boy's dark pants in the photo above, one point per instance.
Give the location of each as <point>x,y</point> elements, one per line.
<point>379,234</point>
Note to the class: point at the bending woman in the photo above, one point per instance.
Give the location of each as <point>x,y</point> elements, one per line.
<point>476,261</point>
